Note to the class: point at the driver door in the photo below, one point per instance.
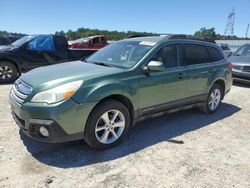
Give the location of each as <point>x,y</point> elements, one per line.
<point>161,89</point>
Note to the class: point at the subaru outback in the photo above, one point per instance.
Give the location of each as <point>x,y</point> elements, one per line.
<point>100,98</point>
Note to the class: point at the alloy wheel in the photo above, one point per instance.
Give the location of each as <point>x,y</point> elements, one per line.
<point>214,99</point>
<point>110,126</point>
<point>6,72</point>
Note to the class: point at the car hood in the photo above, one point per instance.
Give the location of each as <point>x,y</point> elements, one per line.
<point>239,60</point>
<point>54,75</point>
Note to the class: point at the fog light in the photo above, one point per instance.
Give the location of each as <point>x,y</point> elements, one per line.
<point>44,131</point>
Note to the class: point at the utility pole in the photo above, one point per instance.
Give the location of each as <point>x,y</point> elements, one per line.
<point>247,30</point>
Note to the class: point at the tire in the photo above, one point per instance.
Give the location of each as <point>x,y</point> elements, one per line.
<point>101,129</point>
<point>208,107</point>
<point>8,72</point>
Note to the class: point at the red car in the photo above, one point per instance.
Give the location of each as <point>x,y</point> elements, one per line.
<point>93,42</point>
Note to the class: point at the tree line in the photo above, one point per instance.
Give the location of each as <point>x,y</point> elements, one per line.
<point>117,35</point>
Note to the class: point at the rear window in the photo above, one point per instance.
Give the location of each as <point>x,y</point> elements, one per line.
<point>195,54</point>
<point>215,54</point>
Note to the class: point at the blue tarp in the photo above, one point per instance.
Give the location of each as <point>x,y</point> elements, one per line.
<point>42,43</point>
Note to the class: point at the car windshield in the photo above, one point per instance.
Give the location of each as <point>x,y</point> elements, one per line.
<point>243,51</point>
<point>124,54</point>
<point>22,40</point>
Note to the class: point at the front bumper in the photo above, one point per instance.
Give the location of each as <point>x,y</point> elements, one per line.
<point>65,121</point>
<point>241,75</point>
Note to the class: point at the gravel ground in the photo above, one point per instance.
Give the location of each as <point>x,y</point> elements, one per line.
<point>184,149</point>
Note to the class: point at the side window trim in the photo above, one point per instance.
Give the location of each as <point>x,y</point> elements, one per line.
<point>198,64</point>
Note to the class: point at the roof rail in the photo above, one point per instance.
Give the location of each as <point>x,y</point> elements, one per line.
<point>191,37</point>
<point>142,35</point>
<point>176,36</point>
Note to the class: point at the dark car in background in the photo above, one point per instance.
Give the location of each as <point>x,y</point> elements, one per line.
<point>4,40</point>
<point>93,42</point>
<point>35,51</point>
<point>241,63</point>
<point>226,49</point>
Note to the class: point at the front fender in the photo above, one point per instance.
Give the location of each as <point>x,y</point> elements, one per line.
<point>105,89</point>
<point>6,56</point>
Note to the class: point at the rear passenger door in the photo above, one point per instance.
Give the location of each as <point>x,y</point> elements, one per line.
<point>200,68</point>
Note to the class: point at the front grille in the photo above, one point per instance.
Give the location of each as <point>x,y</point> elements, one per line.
<point>238,67</point>
<point>20,91</point>
<point>246,68</point>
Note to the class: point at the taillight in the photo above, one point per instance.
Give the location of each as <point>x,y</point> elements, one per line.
<point>230,66</point>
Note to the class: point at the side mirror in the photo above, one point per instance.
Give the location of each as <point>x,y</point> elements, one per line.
<point>156,66</point>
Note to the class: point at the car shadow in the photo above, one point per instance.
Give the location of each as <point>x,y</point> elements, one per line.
<point>143,135</point>
<point>241,83</point>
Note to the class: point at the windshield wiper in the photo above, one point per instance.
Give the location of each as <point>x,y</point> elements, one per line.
<point>102,64</point>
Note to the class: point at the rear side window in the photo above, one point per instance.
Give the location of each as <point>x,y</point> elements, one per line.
<point>96,40</point>
<point>215,54</point>
<point>103,40</point>
<point>61,43</point>
<point>195,54</point>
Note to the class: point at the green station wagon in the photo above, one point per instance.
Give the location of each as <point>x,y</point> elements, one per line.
<point>101,98</point>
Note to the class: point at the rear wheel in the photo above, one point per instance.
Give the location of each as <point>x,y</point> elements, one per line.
<point>107,125</point>
<point>8,72</point>
<point>213,101</point>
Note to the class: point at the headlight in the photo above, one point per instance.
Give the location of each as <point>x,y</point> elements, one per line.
<point>57,94</point>
<point>238,67</point>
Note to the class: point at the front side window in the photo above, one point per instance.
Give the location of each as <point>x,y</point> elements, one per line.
<point>167,55</point>
<point>123,54</point>
<point>195,54</point>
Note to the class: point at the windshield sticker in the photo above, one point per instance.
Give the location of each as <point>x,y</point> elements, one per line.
<point>146,43</point>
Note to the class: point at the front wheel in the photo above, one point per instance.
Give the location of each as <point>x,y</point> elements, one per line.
<point>8,72</point>
<point>213,101</point>
<point>107,125</point>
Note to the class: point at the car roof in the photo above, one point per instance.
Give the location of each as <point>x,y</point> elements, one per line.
<point>96,36</point>
<point>165,38</point>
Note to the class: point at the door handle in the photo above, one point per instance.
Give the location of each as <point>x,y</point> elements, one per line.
<point>180,75</point>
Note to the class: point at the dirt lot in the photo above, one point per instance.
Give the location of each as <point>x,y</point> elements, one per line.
<point>185,149</point>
